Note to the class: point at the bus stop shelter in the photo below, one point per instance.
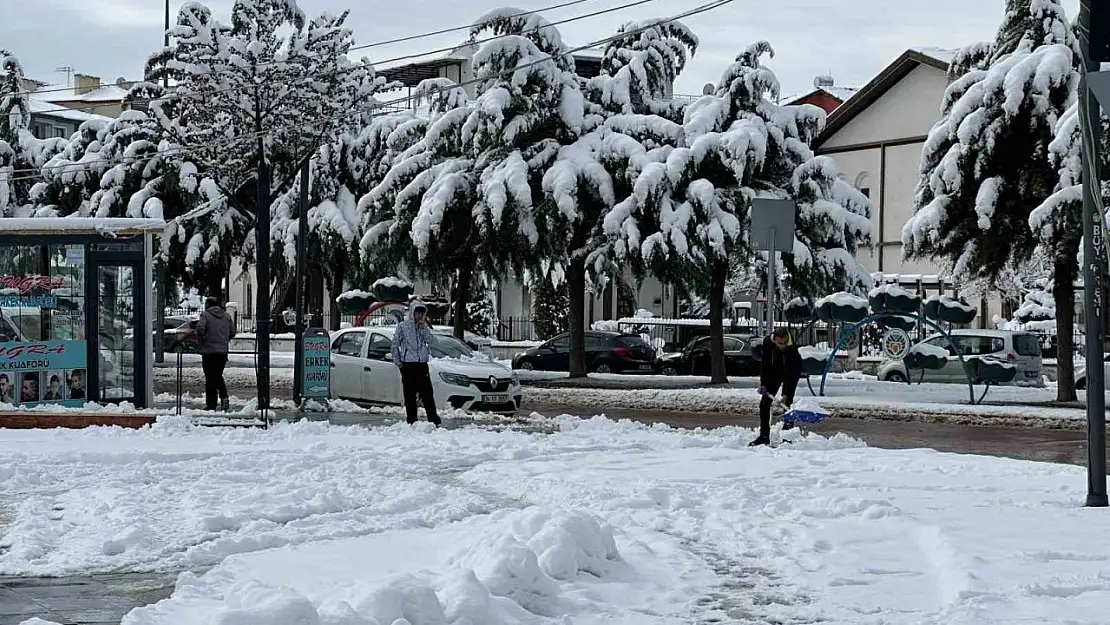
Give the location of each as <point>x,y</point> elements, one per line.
<point>76,311</point>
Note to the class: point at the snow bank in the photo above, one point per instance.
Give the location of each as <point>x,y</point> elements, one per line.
<point>926,349</point>
<point>814,353</point>
<point>843,299</point>
<point>597,522</point>
<point>507,567</point>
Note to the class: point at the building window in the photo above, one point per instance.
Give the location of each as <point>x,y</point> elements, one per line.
<point>60,132</point>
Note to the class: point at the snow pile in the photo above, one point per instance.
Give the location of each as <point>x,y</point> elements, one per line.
<point>891,289</point>
<point>815,353</point>
<point>844,299</point>
<point>353,294</point>
<point>391,282</point>
<point>508,567</point>
<point>598,522</point>
<point>950,302</point>
<point>928,349</point>
<point>606,325</point>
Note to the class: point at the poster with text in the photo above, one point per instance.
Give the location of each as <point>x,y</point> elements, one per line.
<point>32,372</point>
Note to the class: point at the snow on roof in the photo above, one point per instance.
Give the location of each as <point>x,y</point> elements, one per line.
<point>944,55</point>
<point>79,225</point>
<point>40,107</point>
<point>106,93</point>
<point>840,93</point>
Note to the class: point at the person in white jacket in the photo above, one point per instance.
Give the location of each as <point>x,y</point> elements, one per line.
<point>411,338</point>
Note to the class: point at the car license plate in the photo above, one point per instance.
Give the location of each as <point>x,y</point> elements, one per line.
<point>495,399</point>
<point>646,367</point>
<point>1030,374</point>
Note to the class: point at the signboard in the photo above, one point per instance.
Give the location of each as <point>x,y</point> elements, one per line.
<point>773,217</point>
<point>849,338</point>
<point>316,372</point>
<point>43,372</point>
<point>15,291</point>
<point>895,344</point>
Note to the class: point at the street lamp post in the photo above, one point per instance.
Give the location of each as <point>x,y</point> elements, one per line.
<point>163,279</point>
<point>1094,49</point>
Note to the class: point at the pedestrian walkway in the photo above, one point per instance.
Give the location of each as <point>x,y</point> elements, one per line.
<point>85,600</point>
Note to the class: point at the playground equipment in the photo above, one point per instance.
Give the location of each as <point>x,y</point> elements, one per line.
<point>893,307</point>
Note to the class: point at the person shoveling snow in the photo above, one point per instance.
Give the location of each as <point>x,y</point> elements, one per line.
<point>803,411</point>
<point>780,367</point>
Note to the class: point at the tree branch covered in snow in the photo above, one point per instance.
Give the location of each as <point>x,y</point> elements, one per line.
<point>985,163</point>
<point>22,156</point>
<point>239,87</point>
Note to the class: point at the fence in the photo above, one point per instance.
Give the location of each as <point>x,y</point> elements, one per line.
<point>512,329</point>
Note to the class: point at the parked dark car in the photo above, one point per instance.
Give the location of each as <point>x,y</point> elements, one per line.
<point>179,333</point>
<point>694,359</point>
<point>606,352</point>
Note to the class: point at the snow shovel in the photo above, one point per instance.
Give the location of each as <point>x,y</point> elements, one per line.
<point>803,411</point>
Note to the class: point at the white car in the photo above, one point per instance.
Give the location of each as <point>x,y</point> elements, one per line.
<point>1081,372</point>
<point>363,371</point>
<point>1021,349</point>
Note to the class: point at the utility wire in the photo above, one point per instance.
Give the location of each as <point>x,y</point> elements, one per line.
<point>35,173</point>
<point>353,67</point>
<point>375,44</point>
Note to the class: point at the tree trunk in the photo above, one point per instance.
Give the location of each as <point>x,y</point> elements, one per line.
<point>576,293</point>
<point>462,297</point>
<point>335,287</point>
<point>716,322</point>
<point>1065,268</point>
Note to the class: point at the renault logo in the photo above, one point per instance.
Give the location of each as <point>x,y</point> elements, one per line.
<point>493,381</point>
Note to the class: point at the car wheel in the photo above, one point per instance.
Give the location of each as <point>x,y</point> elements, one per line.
<point>1081,384</point>
<point>669,370</point>
<point>895,376</point>
<point>527,365</point>
<point>602,368</point>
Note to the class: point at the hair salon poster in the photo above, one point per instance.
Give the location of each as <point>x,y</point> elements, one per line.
<point>43,372</point>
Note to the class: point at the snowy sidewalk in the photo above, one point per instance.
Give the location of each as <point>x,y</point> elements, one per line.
<point>600,522</point>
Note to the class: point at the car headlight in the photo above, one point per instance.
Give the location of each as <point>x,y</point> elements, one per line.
<point>516,379</point>
<point>454,379</point>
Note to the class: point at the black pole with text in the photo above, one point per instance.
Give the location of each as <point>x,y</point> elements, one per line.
<point>1093,234</point>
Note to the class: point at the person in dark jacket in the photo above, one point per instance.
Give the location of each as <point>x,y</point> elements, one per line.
<point>780,368</point>
<point>411,338</point>
<point>215,330</point>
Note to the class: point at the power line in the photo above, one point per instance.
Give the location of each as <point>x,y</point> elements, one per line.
<point>37,173</point>
<point>386,42</point>
<point>411,38</point>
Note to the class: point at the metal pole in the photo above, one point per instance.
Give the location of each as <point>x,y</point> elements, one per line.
<point>163,279</point>
<point>298,284</point>
<point>262,267</point>
<point>771,279</point>
<point>1090,124</point>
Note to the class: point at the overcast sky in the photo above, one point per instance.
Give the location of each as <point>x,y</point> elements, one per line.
<point>853,41</point>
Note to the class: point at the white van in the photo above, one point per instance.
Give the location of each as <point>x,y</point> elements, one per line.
<point>1021,349</point>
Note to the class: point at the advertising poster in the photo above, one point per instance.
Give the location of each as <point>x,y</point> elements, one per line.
<point>317,365</point>
<point>43,372</point>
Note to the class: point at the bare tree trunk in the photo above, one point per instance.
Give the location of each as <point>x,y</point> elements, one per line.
<point>716,322</point>
<point>335,287</point>
<point>462,297</point>
<point>576,292</point>
<point>1064,272</point>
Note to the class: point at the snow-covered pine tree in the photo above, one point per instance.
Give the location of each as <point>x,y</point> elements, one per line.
<point>22,156</point>
<point>986,163</point>
<point>1057,225</point>
<point>529,103</point>
<point>550,303</point>
<point>73,175</point>
<point>621,134</point>
<point>342,171</point>
<point>272,84</point>
<point>421,215</point>
<point>639,67</point>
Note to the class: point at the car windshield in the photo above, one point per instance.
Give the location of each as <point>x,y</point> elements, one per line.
<point>447,346</point>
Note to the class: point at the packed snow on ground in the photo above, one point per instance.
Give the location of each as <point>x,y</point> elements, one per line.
<point>599,522</point>
<point>849,391</point>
